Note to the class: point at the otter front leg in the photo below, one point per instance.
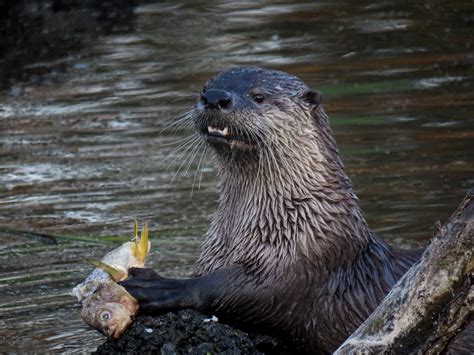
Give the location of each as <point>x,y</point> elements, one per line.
<point>156,294</point>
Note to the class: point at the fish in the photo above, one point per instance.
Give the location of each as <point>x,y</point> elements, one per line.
<point>107,306</point>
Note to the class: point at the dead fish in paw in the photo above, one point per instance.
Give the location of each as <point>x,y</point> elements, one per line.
<point>107,306</point>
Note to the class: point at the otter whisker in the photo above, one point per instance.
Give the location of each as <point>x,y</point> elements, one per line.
<point>182,118</point>
<point>183,150</point>
<point>183,145</point>
<point>176,141</point>
<point>193,155</point>
<point>197,170</point>
<point>189,153</point>
<point>176,120</point>
<point>183,123</point>
<point>202,169</point>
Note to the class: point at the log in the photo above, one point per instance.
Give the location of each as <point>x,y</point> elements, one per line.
<point>432,303</point>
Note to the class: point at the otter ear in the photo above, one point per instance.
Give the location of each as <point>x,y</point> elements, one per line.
<point>313,97</point>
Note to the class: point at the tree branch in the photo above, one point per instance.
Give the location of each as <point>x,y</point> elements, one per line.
<point>432,302</point>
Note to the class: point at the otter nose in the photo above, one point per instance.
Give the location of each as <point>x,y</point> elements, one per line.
<point>216,99</point>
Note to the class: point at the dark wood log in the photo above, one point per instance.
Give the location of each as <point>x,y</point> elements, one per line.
<point>432,303</point>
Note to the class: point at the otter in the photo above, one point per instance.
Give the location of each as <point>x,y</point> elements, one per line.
<point>288,251</point>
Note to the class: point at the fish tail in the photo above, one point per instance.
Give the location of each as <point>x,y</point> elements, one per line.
<point>135,230</point>
<point>142,244</point>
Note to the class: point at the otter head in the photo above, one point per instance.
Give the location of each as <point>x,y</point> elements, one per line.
<point>283,190</point>
<point>252,111</point>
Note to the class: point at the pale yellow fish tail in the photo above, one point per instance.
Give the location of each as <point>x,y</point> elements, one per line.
<point>141,244</point>
<point>135,230</point>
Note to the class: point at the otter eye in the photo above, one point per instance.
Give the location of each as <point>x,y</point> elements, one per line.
<point>105,316</point>
<point>258,98</point>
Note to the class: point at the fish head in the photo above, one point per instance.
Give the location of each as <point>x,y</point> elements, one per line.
<point>110,318</point>
<point>110,310</point>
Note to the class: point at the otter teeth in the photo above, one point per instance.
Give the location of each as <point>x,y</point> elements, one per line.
<point>222,132</point>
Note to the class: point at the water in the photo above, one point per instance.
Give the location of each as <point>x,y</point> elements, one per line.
<point>83,151</point>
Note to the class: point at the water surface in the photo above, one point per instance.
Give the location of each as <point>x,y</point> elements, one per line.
<point>83,151</point>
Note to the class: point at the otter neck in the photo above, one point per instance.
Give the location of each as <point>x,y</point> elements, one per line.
<point>288,211</point>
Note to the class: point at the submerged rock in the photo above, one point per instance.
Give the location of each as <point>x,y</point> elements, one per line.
<point>187,332</point>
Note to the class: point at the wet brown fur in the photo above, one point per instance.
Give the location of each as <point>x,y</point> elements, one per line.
<point>310,268</point>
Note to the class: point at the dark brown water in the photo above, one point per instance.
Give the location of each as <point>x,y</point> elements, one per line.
<point>88,91</point>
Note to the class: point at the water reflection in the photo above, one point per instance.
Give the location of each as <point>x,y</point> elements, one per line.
<point>83,150</point>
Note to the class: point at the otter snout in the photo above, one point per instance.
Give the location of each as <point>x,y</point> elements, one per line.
<point>216,99</point>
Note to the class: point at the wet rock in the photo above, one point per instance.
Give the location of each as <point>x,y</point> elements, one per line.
<point>187,332</point>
